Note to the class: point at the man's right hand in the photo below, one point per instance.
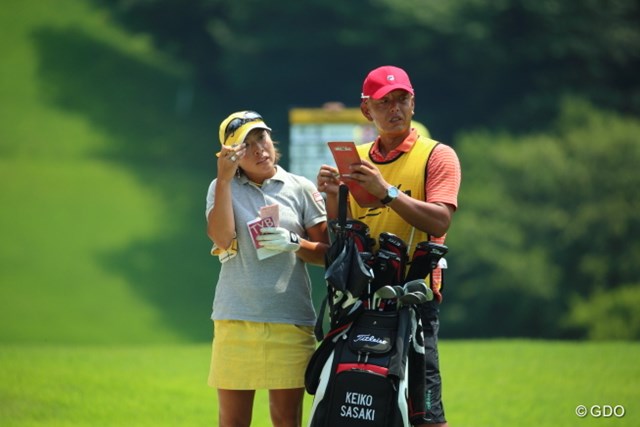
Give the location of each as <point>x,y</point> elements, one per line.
<point>328,180</point>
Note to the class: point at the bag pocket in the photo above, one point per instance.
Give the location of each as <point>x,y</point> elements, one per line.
<point>374,333</point>
<point>361,398</point>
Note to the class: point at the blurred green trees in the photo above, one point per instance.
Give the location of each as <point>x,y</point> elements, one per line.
<point>546,222</point>
<point>474,63</point>
<point>541,100</point>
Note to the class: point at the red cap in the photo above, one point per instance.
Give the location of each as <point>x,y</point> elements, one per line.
<point>385,79</point>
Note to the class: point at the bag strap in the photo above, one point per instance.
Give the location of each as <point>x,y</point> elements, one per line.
<point>317,330</point>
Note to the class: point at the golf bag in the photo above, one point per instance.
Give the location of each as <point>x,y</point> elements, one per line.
<point>369,369</point>
<point>364,378</point>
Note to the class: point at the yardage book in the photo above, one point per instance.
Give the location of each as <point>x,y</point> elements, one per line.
<point>269,217</point>
<point>345,155</point>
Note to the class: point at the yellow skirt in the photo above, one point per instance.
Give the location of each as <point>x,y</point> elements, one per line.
<point>251,355</point>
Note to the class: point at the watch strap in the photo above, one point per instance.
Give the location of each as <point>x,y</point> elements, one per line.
<point>387,199</point>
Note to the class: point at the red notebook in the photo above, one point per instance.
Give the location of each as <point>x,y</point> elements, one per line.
<point>345,155</point>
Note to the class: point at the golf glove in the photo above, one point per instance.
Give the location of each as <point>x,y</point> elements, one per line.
<point>279,239</point>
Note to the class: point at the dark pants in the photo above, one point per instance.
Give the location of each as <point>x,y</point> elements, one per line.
<point>434,409</point>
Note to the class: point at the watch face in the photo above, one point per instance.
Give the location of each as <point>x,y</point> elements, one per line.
<point>393,192</point>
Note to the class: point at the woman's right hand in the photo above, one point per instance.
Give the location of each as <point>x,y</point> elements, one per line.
<point>229,161</point>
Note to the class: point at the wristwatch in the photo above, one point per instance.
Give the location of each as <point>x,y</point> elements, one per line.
<point>392,194</point>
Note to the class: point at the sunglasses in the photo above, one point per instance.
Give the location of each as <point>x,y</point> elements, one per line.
<point>237,123</point>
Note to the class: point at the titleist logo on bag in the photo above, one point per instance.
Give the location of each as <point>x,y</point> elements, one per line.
<point>370,338</point>
<point>371,342</point>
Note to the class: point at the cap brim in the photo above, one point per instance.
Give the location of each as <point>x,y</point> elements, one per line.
<point>386,89</point>
<point>249,127</point>
<point>245,131</point>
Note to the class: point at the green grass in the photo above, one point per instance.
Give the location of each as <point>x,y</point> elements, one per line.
<point>487,383</point>
<point>538,383</point>
<point>117,386</point>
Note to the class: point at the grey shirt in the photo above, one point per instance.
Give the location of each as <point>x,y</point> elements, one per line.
<point>276,289</point>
